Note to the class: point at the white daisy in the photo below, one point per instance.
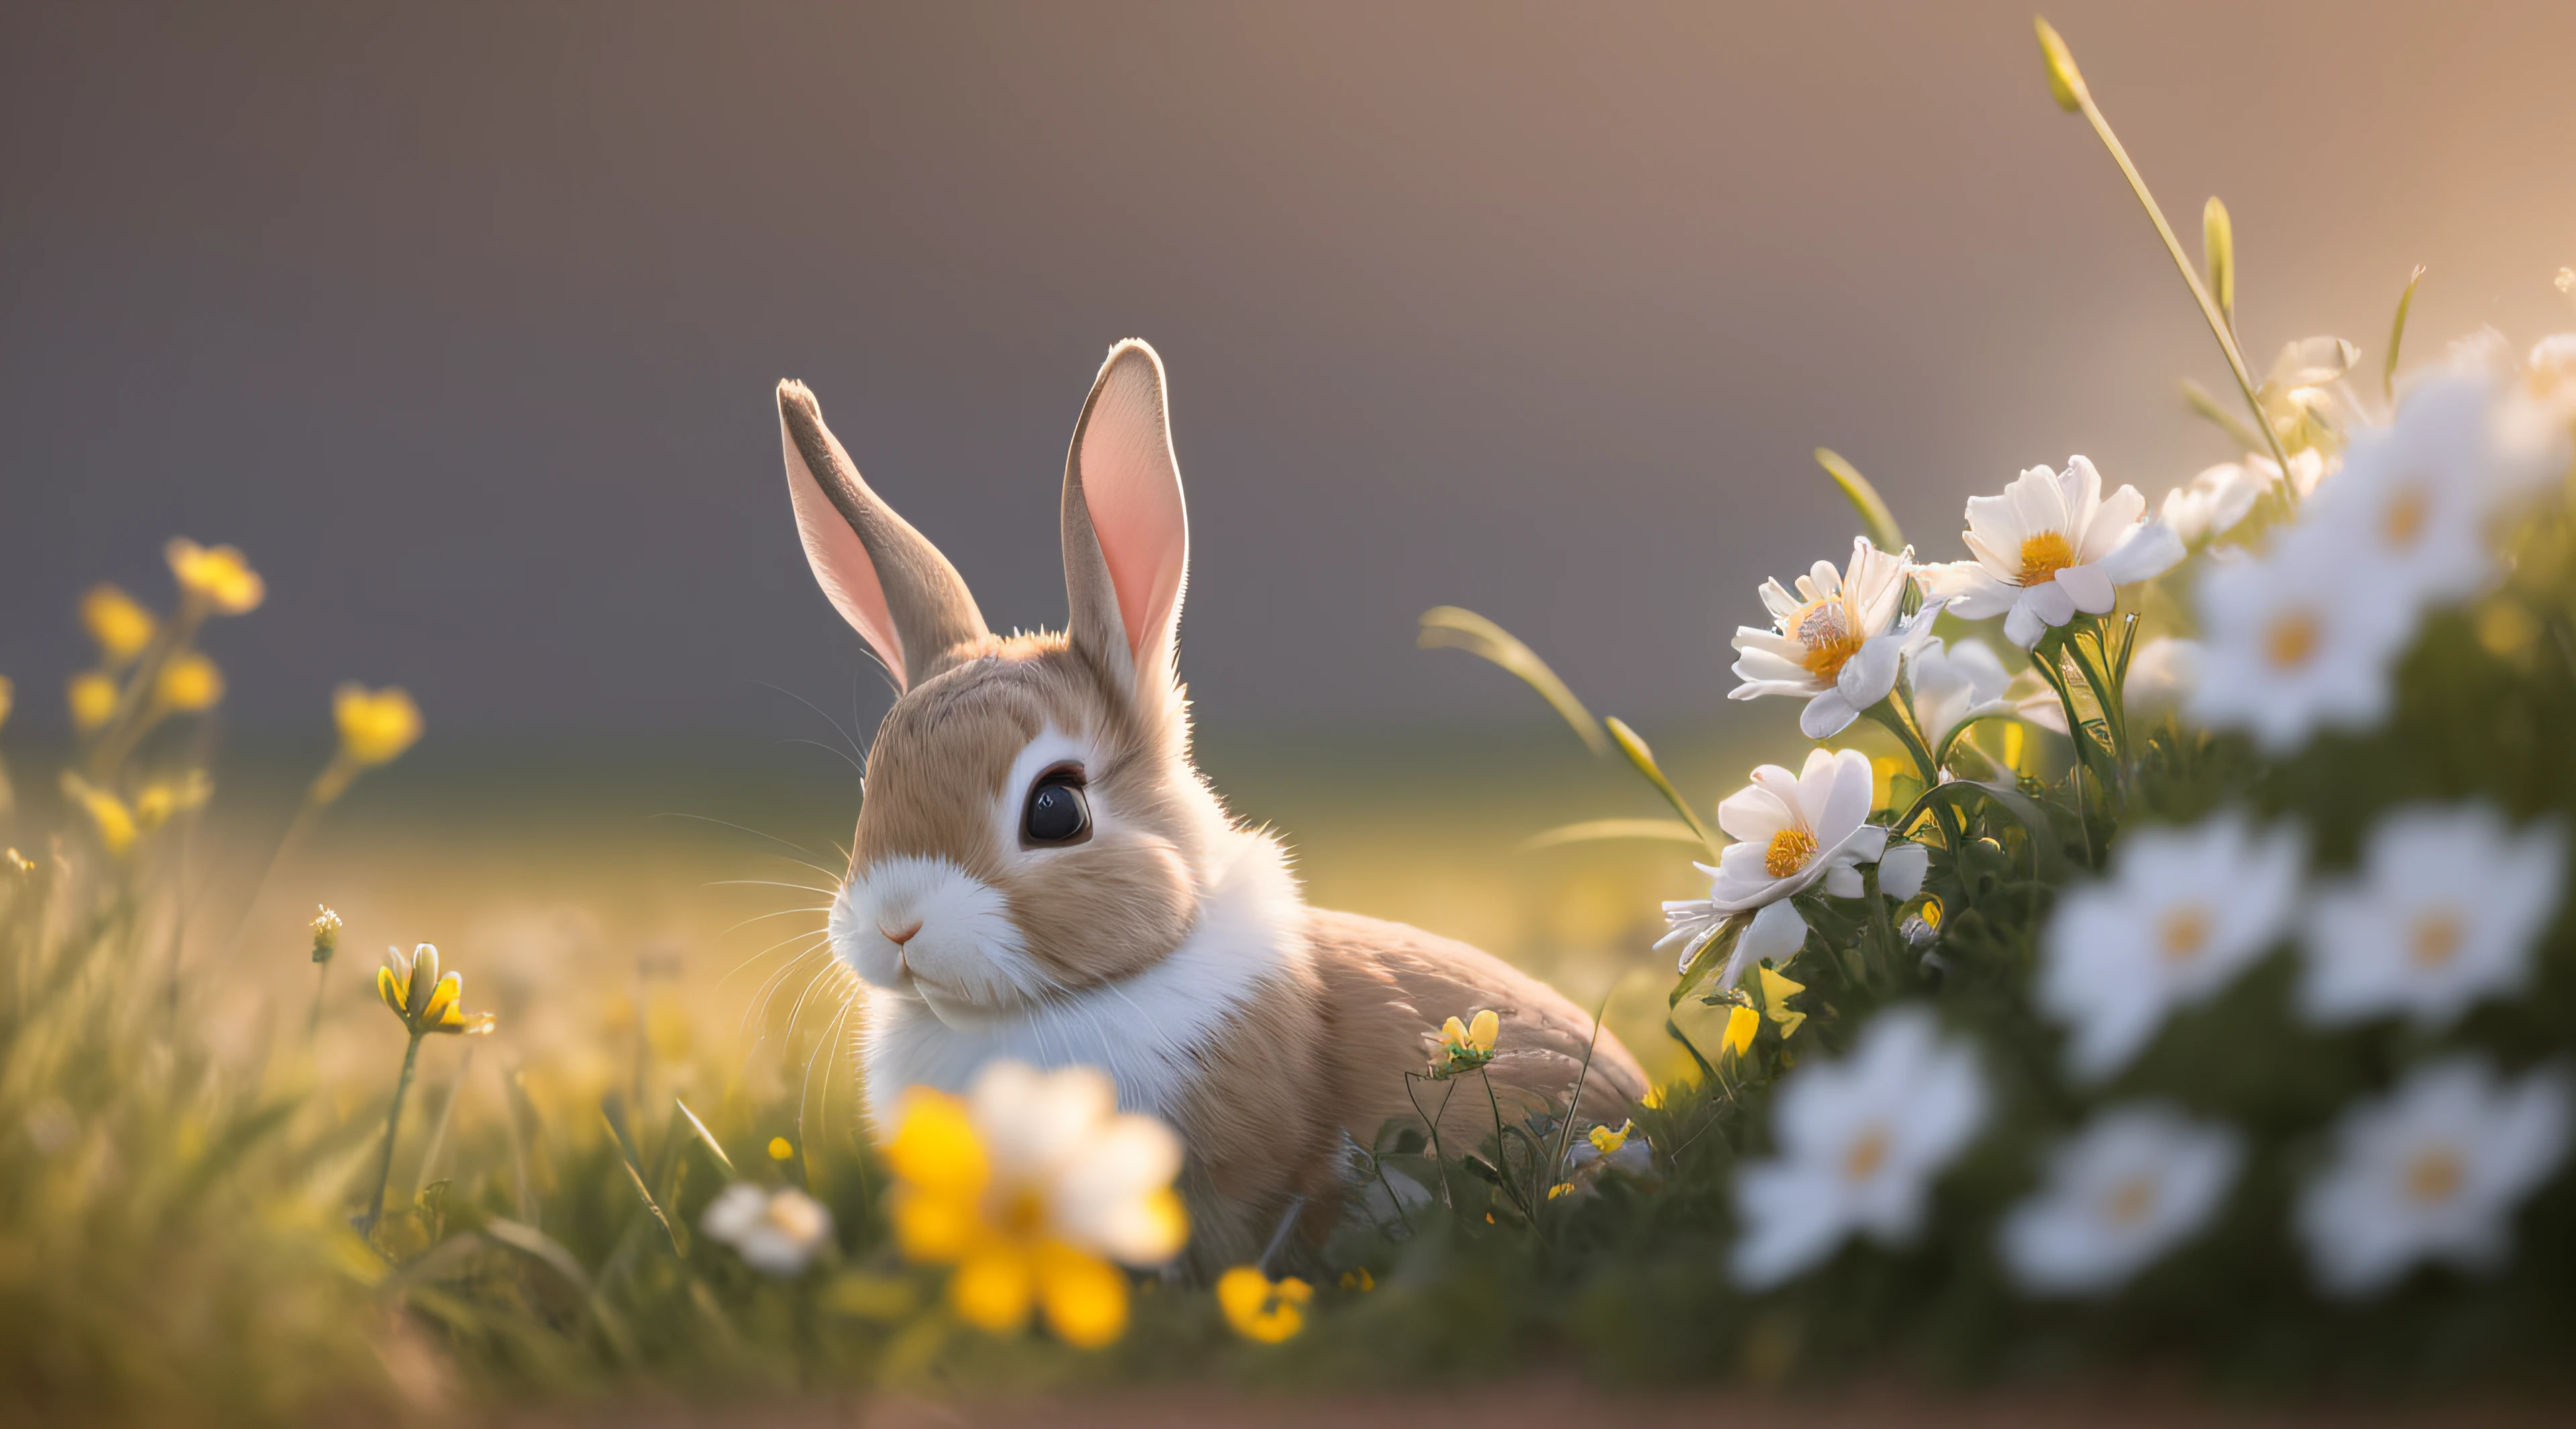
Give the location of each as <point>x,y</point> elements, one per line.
<point>2132,1186</point>
<point>1791,831</point>
<point>2433,1172</point>
<point>2219,499</point>
<point>2162,675</point>
<point>2412,501</point>
<point>1860,1141</point>
<point>2536,420</point>
<point>2447,908</point>
<point>1837,642</point>
<point>2296,640</point>
<point>776,1232</point>
<point>2183,912</point>
<point>2050,546</point>
<point>1956,683</point>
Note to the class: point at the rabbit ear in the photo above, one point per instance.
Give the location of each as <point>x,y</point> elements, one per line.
<point>884,577</point>
<point>1126,530</point>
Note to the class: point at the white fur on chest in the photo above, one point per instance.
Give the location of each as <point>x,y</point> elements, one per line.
<point>1146,1031</point>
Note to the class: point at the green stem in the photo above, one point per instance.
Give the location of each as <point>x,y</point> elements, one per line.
<point>313,1024</point>
<point>1892,713</point>
<point>2106,691</point>
<point>393,1124</point>
<point>2219,326</point>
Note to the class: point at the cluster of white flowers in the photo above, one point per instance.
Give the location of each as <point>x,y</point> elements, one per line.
<point>2446,910</point>
<point>2306,635</point>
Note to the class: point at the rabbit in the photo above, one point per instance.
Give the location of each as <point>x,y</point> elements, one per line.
<point>1040,872</point>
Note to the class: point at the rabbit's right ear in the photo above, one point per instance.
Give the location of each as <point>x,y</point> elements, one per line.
<point>884,577</point>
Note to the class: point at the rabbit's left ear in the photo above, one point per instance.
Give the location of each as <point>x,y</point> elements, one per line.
<point>1126,530</point>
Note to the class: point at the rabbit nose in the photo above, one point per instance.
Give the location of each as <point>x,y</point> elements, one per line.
<point>902,935</point>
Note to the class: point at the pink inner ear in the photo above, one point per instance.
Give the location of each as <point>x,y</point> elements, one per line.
<point>1132,488</point>
<point>840,559</point>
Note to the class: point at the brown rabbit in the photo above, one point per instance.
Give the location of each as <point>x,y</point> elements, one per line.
<point>1041,873</point>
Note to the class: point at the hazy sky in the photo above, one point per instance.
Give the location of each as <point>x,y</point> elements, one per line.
<point>464,321</point>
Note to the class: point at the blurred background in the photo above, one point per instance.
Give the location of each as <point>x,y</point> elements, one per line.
<point>463,322</point>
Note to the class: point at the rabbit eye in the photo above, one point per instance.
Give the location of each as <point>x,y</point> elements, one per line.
<point>1059,812</point>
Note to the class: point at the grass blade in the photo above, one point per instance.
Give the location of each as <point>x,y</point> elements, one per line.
<point>1598,830</point>
<point>1876,521</point>
<point>706,1136</point>
<point>2397,335</point>
<point>1450,627</point>
<point>1644,758</point>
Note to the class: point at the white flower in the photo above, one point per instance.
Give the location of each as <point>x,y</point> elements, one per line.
<point>1860,1141</point>
<point>2132,1186</point>
<point>2536,421</point>
<point>1954,684</point>
<point>2219,499</point>
<point>2295,640</point>
<point>2446,911</point>
<point>2162,675</point>
<point>2432,1172</point>
<point>1058,1145</point>
<point>776,1232</point>
<point>2182,913</point>
<point>1837,643</point>
<point>1901,869</point>
<point>1791,830</point>
<point>2050,546</point>
<point>2412,501</point>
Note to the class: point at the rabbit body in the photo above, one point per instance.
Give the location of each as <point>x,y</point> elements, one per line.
<point>1040,872</point>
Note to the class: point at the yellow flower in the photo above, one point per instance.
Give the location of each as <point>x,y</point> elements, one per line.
<point>374,727</point>
<point>425,1001</point>
<point>92,695</point>
<point>1034,1185</point>
<point>115,822</point>
<point>1360,1279</point>
<point>118,622</point>
<point>218,577</point>
<point>1741,1023</point>
<point>1605,1140</point>
<point>189,683</point>
<point>165,799</point>
<point>779,1150</point>
<point>1260,1308</point>
<point>1466,1046</point>
<point>1776,992</point>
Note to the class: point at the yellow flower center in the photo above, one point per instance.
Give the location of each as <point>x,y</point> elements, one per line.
<point>2403,521</point>
<point>2433,1176</point>
<point>2182,932</point>
<point>2130,1201</point>
<point>2043,556</point>
<point>1825,628</point>
<point>2435,939</point>
<point>1866,1155</point>
<point>1022,1214</point>
<point>1790,849</point>
<point>2291,640</point>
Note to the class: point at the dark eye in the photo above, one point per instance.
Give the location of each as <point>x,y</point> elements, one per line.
<point>1059,812</point>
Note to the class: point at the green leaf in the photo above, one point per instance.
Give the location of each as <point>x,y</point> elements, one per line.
<point>1453,628</point>
<point>2197,398</point>
<point>1597,830</point>
<point>1876,521</point>
<point>2397,334</point>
